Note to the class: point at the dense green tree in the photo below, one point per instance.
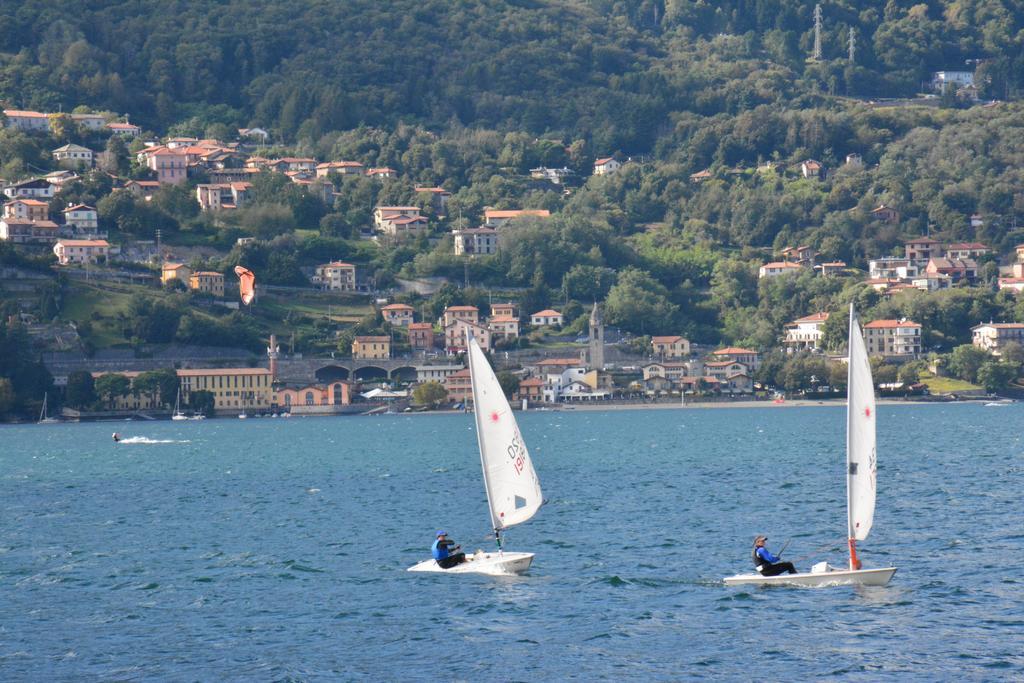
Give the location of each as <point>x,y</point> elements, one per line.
<point>996,376</point>
<point>966,360</point>
<point>639,304</point>
<point>430,394</point>
<point>112,386</point>
<point>80,391</point>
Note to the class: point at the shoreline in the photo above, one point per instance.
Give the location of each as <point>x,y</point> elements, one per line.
<point>610,406</point>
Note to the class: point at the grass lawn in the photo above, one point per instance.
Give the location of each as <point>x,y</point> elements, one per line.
<point>946,385</point>
<point>83,300</point>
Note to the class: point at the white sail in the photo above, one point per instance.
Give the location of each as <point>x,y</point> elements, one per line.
<point>513,491</point>
<point>860,436</point>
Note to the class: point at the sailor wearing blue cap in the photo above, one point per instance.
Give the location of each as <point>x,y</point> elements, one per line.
<point>445,557</point>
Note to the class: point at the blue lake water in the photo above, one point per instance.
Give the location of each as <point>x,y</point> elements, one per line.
<point>277,549</point>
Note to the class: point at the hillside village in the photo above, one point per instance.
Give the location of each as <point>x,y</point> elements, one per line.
<point>50,230</point>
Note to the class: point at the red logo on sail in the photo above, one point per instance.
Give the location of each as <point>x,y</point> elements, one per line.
<point>867,412</point>
<point>494,416</point>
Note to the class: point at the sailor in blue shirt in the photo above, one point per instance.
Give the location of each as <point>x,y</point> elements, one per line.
<point>766,563</point>
<point>441,553</point>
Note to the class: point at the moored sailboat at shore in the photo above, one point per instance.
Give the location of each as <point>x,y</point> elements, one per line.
<point>861,480</point>
<point>513,490</point>
<point>44,418</point>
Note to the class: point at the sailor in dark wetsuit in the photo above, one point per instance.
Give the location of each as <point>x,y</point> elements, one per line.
<point>766,563</point>
<point>440,550</point>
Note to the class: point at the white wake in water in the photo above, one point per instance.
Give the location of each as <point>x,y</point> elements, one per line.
<point>147,440</point>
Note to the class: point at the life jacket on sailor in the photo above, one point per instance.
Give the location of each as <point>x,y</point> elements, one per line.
<point>759,562</point>
<point>439,551</point>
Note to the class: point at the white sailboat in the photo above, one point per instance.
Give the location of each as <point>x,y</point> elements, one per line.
<point>513,490</point>
<point>178,415</point>
<point>861,474</point>
<point>45,419</point>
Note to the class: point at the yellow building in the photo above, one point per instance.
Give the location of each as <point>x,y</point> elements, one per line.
<point>207,282</point>
<point>233,389</point>
<point>371,348</point>
<point>175,271</point>
<point>134,400</point>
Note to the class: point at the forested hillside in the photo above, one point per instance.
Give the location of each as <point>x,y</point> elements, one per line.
<point>714,109</point>
<point>609,72</point>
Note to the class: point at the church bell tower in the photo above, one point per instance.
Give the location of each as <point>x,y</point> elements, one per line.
<point>596,339</point>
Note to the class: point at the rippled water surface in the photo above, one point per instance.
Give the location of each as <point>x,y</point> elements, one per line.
<point>277,549</point>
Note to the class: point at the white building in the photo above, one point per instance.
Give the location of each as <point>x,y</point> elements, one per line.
<point>606,166</point>
<point>777,268</point>
<point>994,336</point>
<point>547,318</point>
<point>73,155</point>
<point>475,241</point>
<point>892,268</point>
<point>28,121</point>
<point>337,276</point>
<point>436,373</point>
<point>956,79</point>
<point>804,334</point>
<point>81,251</point>
<point>82,220</point>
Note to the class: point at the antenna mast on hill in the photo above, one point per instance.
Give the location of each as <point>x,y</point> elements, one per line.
<point>817,33</point>
<point>852,44</point>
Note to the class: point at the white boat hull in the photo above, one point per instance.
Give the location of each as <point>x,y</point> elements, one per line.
<point>836,577</point>
<point>495,564</point>
<point>179,417</point>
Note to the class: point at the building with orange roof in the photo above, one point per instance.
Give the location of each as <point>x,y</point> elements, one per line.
<point>217,196</point>
<point>234,389</point>
<point>503,326</point>
<point>339,167</point>
<point>27,121</point>
<point>452,313</point>
<point>207,282</point>
<point>455,335</point>
<point>749,357</point>
<point>311,399</point>
<point>459,386</point>
<point>126,129</point>
<point>398,314</point>
<point>805,334</point>
<point>169,164</point>
<point>606,166</point>
<point>438,198</point>
<point>993,337</point>
<point>547,318</point>
<point>81,251</point>
<point>82,219</point>
<point>27,210</point>
<point>670,346</point>
<point>776,268</point>
<point>336,276</point>
<point>495,218</point>
<point>175,271</point>
<point>421,336</point>
<point>531,389</point>
<point>28,232</point>
<point>1015,284</point>
<point>371,347</point>
<point>893,338</point>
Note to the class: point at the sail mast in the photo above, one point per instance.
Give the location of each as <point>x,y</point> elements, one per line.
<point>860,441</point>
